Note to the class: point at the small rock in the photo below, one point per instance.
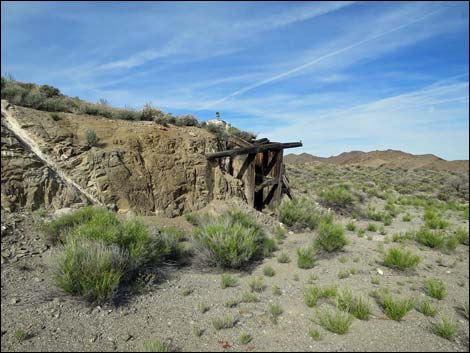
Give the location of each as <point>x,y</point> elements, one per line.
<point>380,272</point>
<point>14,301</point>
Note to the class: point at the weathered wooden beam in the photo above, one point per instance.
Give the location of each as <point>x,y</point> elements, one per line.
<point>285,187</point>
<point>245,165</point>
<point>268,198</point>
<point>260,141</point>
<point>272,163</point>
<point>254,149</point>
<point>265,183</point>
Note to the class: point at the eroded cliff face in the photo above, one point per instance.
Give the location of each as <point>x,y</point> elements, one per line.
<point>140,167</point>
<point>28,182</point>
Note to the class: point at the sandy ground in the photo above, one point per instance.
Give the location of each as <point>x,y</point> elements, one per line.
<point>56,322</point>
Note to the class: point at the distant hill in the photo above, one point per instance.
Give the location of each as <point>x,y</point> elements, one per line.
<point>388,158</point>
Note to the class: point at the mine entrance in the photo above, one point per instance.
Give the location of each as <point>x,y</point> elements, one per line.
<point>259,164</point>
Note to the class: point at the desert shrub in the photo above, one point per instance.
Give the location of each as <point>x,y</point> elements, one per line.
<point>334,320</point>
<point>371,227</point>
<point>219,131</point>
<point>231,240</point>
<point>433,220</point>
<point>338,198</point>
<point>227,280</point>
<point>245,135</point>
<point>223,323</point>
<point>283,258</point>
<point>401,259</point>
<point>149,113</point>
<point>301,213</point>
<point>306,257</point>
<point>90,269</point>
<point>330,237</point>
<point>358,306</point>
<point>256,284</point>
<point>462,236</point>
<point>268,271</point>
<point>435,288</point>
<point>445,328</point>
<point>57,229</point>
<point>186,120</point>
<point>430,238</point>
<point>157,346</point>
<point>49,91</point>
<point>120,249</point>
<point>394,308</point>
<point>351,226</point>
<point>426,307</point>
<point>90,138</point>
<point>274,311</point>
<point>313,294</point>
<point>172,239</point>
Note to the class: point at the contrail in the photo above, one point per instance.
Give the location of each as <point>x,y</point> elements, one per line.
<point>317,60</point>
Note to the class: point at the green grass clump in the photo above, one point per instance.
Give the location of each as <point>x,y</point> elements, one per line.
<point>462,236</point>
<point>274,311</point>
<point>395,308</point>
<point>268,271</point>
<point>338,198</point>
<point>232,240</point>
<point>330,237</point>
<point>445,328</point>
<point>283,258</point>
<point>248,297</point>
<point>227,280</point>
<point>276,290</point>
<point>430,238</point>
<point>99,252</point>
<point>435,288</point>
<point>426,307</point>
<point>342,274</point>
<point>91,138</point>
<point>371,227</point>
<point>334,320</point>
<point>156,346</point>
<point>223,323</point>
<point>401,259</point>
<point>351,226</point>
<point>91,269</point>
<point>433,220</point>
<point>256,284</point>
<point>202,308</point>
<point>280,234</point>
<point>231,303</point>
<point>406,218</point>
<point>301,213</point>
<point>358,306</point>
<point>306,257</point>
<point>20,335</point>
<point>313,294</point>
<point>245,338</point>
<point>314,334</point>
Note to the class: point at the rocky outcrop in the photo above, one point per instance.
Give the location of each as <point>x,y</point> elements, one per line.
<point>27,182</point>
<point>140,167</point>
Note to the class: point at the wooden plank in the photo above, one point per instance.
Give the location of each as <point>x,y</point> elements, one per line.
<point>268,198</point>
<point>272,163</point>
<point>249,159</point>
<point>254,149</point>
<point>265,183</point>
<point>261,141</point>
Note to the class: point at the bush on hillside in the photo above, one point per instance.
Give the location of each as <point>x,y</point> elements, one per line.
<point>231,240</point>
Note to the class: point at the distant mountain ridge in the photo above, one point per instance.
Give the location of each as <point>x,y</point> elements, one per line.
<point>388,158</point>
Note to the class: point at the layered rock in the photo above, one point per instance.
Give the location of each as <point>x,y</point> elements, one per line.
<point>141,167</point>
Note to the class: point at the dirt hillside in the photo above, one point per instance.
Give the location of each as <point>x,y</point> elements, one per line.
<point>388,158</point>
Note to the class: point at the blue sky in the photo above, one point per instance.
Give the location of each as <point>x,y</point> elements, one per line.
<point>339,76</point>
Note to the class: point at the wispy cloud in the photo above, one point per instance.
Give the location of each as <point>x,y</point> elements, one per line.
<point>326,56</point>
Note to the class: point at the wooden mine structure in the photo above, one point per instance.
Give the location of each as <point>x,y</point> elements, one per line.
<point>259,164</point>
